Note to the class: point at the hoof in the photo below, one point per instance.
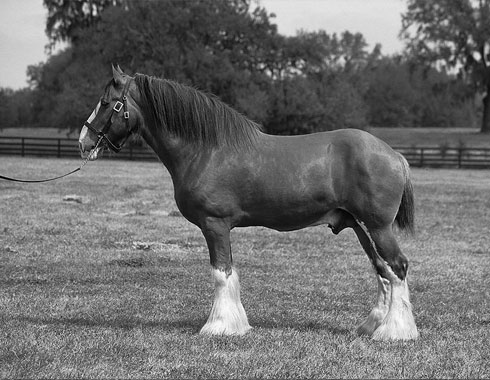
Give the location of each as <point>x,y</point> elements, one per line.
<point>384,332</point>
<point>226,319</point>
<point>379,312</point>
<point>397,326</point>
<point>372,322</point>
<point>398,323</point>
<point>227,316</point>
<point>220,328</point>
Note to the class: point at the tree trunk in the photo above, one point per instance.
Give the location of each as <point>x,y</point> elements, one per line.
<point>485,126</point>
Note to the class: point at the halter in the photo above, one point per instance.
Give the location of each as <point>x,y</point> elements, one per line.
<point>118,106</point>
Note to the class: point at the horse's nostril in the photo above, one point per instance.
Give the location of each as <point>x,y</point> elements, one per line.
<point>85,148</point>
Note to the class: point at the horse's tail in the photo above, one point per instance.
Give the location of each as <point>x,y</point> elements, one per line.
<point>405,218</point>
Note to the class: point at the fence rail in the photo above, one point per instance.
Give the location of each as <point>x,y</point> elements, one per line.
<point>63,147</point>
<point>461,157</point>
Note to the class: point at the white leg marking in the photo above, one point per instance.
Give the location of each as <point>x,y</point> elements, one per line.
<point>378,313</point>
<point>227,315</point>
<point>399,323</point>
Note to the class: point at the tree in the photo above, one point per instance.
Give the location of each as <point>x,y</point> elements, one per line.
<point>214,45</point>
<point>301,84</point>
<point>8,113</point>
<point>318,82</point>
<point>456,33</point>
<point>66,18</point>
<point>15,107</point>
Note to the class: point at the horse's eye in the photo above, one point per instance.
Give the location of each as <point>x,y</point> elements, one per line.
<point>104,102</point>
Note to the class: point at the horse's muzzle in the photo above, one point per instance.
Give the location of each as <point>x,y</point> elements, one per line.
<point>91,154</point>
<point>88,149</point>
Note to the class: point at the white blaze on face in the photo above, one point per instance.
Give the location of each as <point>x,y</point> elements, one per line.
<point>94,113</point>
<point>84,131</point>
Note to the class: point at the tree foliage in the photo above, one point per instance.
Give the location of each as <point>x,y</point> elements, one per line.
<point>455,32</point>
<point>309,82</point>
<point>16,107</point>
<point>66,18</point>
<point>403,94</point>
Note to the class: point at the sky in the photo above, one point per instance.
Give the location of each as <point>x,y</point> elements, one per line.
<point>23,40</point>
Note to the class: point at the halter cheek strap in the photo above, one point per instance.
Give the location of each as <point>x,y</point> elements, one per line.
<point>121,104</point>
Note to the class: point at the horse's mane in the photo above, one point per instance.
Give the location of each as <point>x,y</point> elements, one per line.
<point>193,115</point>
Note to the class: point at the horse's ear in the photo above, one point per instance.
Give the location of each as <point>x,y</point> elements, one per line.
<point>117,74</point>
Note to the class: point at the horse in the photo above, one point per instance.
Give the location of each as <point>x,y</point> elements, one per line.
<point>228,173</point>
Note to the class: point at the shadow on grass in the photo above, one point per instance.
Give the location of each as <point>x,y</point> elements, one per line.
<point>299,326</point>
<point>186,326</point>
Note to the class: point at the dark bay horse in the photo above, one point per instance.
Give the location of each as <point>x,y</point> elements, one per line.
<point>227,173</point>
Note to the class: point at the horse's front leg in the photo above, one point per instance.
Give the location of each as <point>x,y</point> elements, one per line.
<point>227,314</point>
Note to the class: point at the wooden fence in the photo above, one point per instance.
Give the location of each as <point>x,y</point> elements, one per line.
<point>460,157</point>
<point>63,147</point>
<point>443,157</point>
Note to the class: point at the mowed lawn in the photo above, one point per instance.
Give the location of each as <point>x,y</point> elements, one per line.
<point>100,277</point>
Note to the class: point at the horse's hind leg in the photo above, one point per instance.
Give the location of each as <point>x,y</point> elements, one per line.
<point>378,313</point>
<point>392,317</point>
<point>399,322</point>
<point>227,315</point>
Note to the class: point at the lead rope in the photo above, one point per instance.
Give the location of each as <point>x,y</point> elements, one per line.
<point>61,176</point>
<point>87,159</point>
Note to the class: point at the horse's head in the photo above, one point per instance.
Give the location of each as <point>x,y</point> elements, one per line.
<point>113,120</point>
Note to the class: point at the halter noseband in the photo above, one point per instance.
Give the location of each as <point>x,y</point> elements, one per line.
<point>118,106</point>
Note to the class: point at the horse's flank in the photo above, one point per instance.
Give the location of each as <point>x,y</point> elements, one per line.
<point>192,115</point>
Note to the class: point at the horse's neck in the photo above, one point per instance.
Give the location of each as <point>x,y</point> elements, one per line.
<point>174,152</point>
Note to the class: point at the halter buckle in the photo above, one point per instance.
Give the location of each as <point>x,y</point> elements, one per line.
<point>126,115</point>
<point>118,106</point>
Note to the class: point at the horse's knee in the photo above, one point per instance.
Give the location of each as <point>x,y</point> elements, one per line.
<point>217,235</point>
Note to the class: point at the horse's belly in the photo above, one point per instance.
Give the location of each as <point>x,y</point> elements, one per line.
<point>284,223</point>
<point>293,195</point>
<point>287,213</point>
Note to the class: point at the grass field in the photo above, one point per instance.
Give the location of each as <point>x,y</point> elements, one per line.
<point>115,284</point>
